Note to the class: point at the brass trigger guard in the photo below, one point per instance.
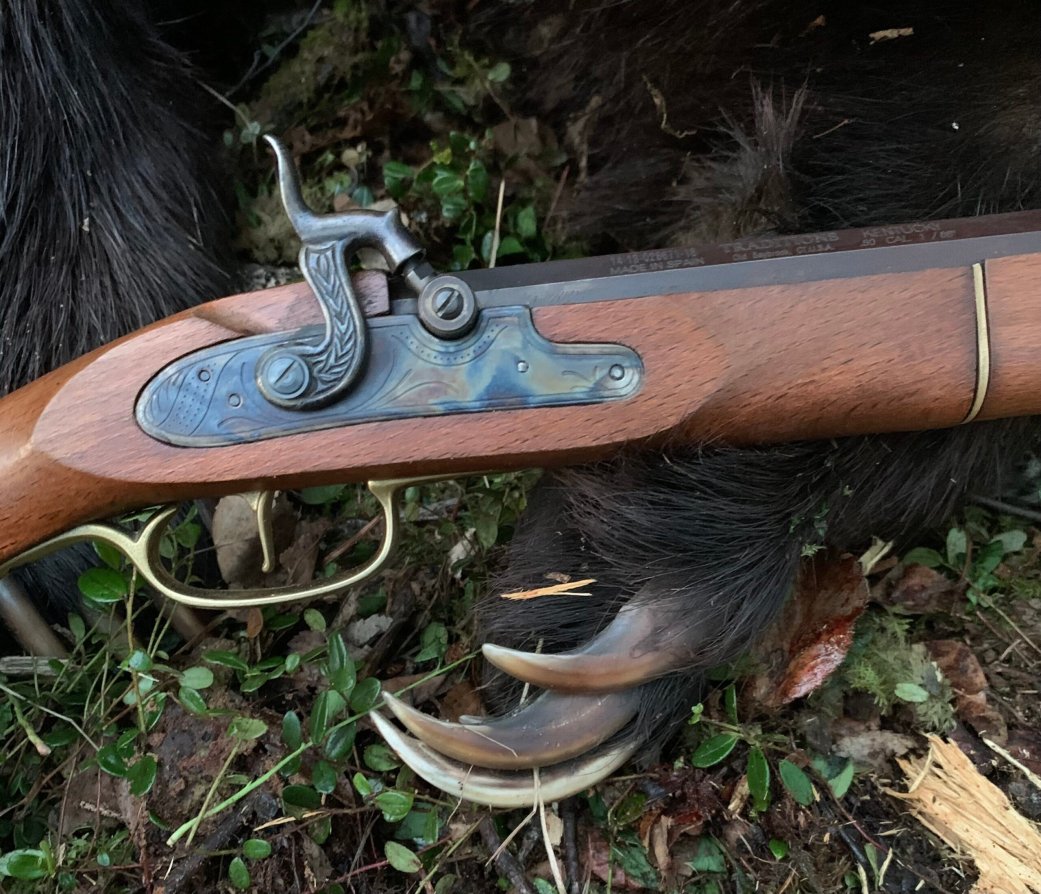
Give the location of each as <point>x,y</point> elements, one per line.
<point>142,551</point>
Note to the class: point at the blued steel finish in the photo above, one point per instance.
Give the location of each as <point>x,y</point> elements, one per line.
<point>447,307</point>
<point>313,369</point>
<point>208,399</point>
<point>760,261</point>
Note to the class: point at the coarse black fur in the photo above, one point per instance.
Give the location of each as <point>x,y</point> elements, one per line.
<point>111,219</point>
<point>111,213</point>
<point>777,121</point>
<point>656,101</point>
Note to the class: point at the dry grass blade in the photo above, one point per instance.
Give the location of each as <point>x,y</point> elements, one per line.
<point>552,590</point>
<point>973,816</point>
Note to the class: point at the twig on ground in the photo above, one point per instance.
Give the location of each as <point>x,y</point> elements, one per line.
<point>262,805</point>
<point>1018,629</point>
<point>1007,508</point>
<point>569,816</point>
<point>504,861</point>
<point>1025,770</point>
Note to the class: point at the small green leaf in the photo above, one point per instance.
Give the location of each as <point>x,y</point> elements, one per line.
<point>420,826</point>
<point>987,559</point>
<point>301,796</point>
<point>463,256</point>
<point>139,661</point>
<point>27,864</point>
<point>510,246</point>
<point>840,783</point>
<point>110,760</point>
<point>957,546</point>
<point>253,682</point>
<point>365,695</point>
<point>527,223</point>
<point>433,641</point>
<point>758,777</point>
<point>779,848</point>
<point>394,804</point>
<point>142,775</point>
<point>712,751</point>
<point>103,586</point>
<point>238,874</point>
<point>708,856</point>
<point>292,662</point>
<point>321,495</point>
<point>795,780</point>
<point>109,555</point>
<point>401,858</point>
<point>499,72</point>
<point>730,702</point>
<point>447,183</point>
<point>1012,541</point>
<point>292,734</point>
<point>340,742</point>
<point>487,529</point>
<point>323,777</point>
<point>197,678</point>
<point>910,692</point>
<point>314,619</point>
<point>695,713</point>
<point>923,556</point>
<point>632,857</point>
<point>256,849</point>
<point>363,195</point>
<point>245,729</point>
<point>283,620</point>
<point>477,181</point>
<point>226,659</point>
<point>77,627</point>
<point>629,809</point>
<point>361,785</point>
<point>342,675</point>
<point>395,177</point>
<point>380,758</point>
<point>326,708</point>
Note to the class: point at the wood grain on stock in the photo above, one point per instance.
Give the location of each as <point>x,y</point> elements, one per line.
<point>880,353</point>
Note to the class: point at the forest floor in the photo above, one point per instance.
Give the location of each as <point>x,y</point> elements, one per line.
<point>243,760</point>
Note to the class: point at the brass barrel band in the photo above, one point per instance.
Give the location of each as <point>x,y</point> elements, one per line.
<point>982,343</point>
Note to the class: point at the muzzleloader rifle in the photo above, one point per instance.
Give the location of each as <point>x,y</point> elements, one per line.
<point>418,375</point>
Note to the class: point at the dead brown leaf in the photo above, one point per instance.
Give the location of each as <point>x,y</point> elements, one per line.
<point>462,699</point>
<point>965,674</point>
<point>599,862</point>
<point>873,748</point>
<point>813,633</point>
<point>918,590</point>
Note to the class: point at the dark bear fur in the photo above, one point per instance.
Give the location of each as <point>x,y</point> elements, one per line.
<point>709,120</point>
<point>111,207</point>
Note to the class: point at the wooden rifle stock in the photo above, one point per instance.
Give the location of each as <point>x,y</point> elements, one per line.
<point>886,351</point>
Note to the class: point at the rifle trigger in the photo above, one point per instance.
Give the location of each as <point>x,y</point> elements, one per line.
<point>262,502</point>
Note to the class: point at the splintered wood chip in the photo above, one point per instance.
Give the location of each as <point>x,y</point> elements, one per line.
<point>553,590</point>
<point>947,794</point>
<point>890,34</point>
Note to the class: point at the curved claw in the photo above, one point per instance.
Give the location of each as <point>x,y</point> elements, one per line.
<point>502,789</point>
<point>551,729</point>
<point>635,647</point>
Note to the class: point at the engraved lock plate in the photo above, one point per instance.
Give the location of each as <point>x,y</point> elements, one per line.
<point>210,398</point>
